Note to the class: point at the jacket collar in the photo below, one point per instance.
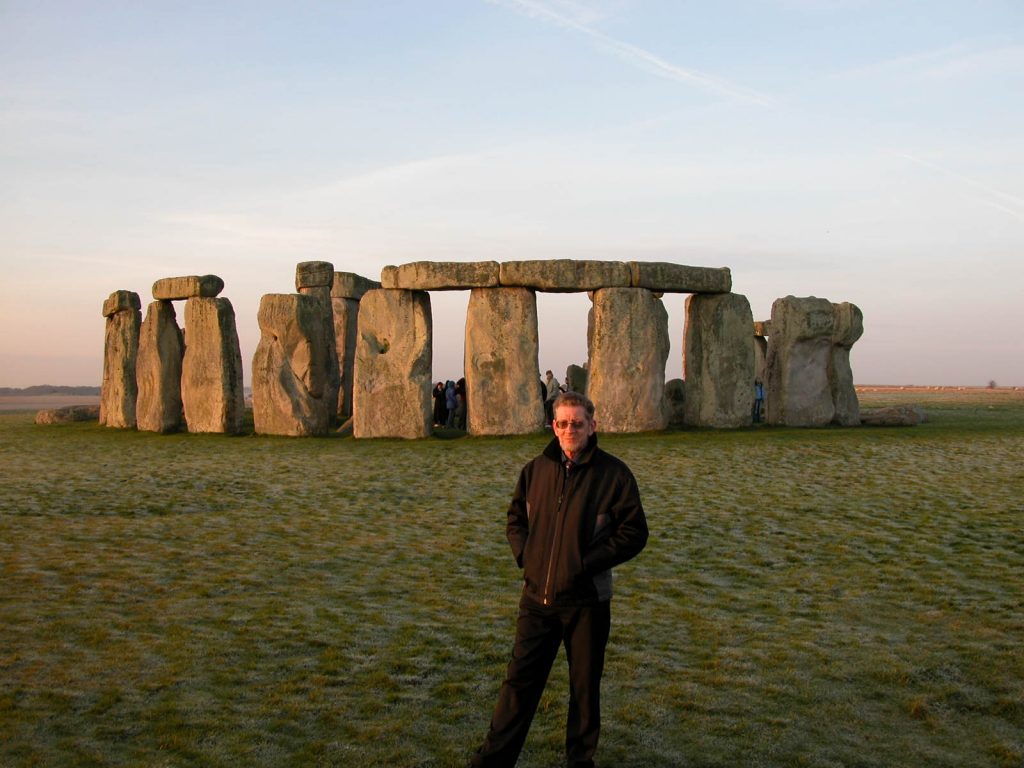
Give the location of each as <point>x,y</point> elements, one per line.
<point>554,451</point>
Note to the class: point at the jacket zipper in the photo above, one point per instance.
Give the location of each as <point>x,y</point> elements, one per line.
<point>556,539</point>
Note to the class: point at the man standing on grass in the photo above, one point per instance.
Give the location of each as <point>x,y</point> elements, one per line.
<point>575,514</point>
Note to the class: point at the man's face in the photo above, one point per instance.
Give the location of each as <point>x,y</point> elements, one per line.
<point>578,427</point>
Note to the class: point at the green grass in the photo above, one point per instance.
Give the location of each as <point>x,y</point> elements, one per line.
<point>831,597</point>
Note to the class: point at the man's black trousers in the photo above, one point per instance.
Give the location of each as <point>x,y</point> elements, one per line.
<point>539,633</point>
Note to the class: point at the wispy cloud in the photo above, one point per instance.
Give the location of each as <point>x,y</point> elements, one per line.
<point>640,57</point>
<point>245,230</point>
<point>995,198</point>
<point>963,59</point>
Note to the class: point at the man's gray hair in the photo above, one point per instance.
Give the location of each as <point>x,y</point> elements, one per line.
<point>573,399</point>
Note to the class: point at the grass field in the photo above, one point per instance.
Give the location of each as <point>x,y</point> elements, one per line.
<point>827,597</point>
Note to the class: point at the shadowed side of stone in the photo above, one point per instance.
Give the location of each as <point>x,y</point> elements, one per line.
<point>158,370</point>
<point>719,361</point>
<point>663,277</point>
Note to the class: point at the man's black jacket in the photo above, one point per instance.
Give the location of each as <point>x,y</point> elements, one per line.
<point>569,527</point>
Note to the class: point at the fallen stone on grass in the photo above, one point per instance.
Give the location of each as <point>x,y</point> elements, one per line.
<point>893,416</point>
<point>68,414</point>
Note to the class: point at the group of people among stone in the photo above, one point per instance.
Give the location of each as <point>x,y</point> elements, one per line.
<point>450,404</point>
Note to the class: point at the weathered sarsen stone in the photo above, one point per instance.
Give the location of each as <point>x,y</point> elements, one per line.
<point>662,277</point>
<point>894,416</point>
<point>119,392</point>
<point>628,344</point>
<point>441,275</point>
<point>718,361</point>
<point>501,362</point>
<point>576,379</point>
<point>675,401</point>
<point>346,319</point>
<point>211,375</point>
<point>158,370</point>
<point>121,301</point>
<point>797,387</point>
<point>848,326</point>
<point>349,285</point>
<point>323,272</point>
<point>190,286</point>
<point>313,274</point>
<point>68,414</point>
<point>291,368</point>
<point>394,355</point>
<point>564,275</point>
<point>346,291</point>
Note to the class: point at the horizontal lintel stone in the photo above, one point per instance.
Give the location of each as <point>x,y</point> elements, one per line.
<point>313,274</point>
<point>190,286</point>
<point>440,275</point>
<point>349,285</point>
<point>762,327</point>
<point>565,275</point>
<point>121,301</point>
<point>679,278</point>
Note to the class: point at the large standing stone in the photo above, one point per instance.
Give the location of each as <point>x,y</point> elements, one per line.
<point>158,370</point>
<point>119,392</point>
<point>346,319</point>
<point>190,286</point>
<point>441,275</point>
<point>628,343</point>
<point>718,361</point>
<point>797,387</point>
<point>394,355</point>
<point>564,275</point>
<point>291,368</point>
<point>211,374</point>
<point>501,362</point>
<point>675,401</point>
<point>848,327</point>
<point>328,338</point>
<point>576,379</point>
<point>346,291</point>
<point>662,277</point>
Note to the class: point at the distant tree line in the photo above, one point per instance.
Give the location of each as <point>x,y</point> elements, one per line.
<point>48,389</point>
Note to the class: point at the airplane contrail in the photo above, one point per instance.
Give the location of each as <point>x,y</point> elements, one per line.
<point>991,191</point>
<point>642,58</point>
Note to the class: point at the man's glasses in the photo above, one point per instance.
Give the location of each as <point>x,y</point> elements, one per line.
<point>564,424</point>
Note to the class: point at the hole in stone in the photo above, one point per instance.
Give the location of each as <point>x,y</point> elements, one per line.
<point>562,332</point>
<point>448,310</point>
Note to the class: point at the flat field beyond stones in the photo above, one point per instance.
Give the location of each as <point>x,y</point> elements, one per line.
<point>826,597</point>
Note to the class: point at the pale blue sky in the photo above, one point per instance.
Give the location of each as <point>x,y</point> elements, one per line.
<point>859,151</point>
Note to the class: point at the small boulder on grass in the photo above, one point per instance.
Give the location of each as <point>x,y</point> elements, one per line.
<point>68,414</point>
<point>893,416</point>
